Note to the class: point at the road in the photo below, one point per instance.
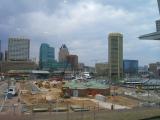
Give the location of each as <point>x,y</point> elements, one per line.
<point>3,88</point>
<point>10,105</point>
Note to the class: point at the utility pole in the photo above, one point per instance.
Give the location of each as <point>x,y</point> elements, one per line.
<point>148,90</point>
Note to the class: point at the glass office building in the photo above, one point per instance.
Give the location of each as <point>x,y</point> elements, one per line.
<point>46,57</point>
<point>130,67</point>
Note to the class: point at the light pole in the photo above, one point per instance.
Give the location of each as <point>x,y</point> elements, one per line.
<point>148,89</point>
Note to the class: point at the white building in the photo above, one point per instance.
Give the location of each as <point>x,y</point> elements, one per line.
<point>18,49</point>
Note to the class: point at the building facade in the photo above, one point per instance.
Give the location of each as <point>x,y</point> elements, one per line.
<point>143,70</point>
<point>89,69</point>
<point>0,45</point>
<point>102,69</point>
<point>130,67</point>
<point>1,53</point>
<point>63,53</point>
<point>154,69</point>
<point>81,67</point>
<point>46,56</point>
<point>158,69</point>
<point>83,89</point>
<point>17,65</point>
<point>115,55</point>
<point>6,56</point>
<point>1,56</point>
<point>73,61</point>
<point>18,49</point>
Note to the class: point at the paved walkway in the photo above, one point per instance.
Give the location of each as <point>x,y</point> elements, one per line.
<point>108,105</point>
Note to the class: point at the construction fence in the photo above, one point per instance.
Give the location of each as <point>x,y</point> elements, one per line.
<point>72,113</point>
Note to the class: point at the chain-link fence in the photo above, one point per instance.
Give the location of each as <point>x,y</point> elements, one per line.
<point>71,113</point>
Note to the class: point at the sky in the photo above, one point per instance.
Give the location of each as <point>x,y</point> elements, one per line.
<point>83,25</point>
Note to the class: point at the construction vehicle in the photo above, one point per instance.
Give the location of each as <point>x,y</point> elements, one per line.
<point>12,90</point>
<point>139,89</point>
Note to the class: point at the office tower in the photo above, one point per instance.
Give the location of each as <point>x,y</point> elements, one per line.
<point>18,49</point>
<point>46,57</point>
<point>73,61</point>
<point>0,45</point>
<point>115,55</point>
<point>130,67</point>
<point>154,69</point>
<point>1,53</point>
<point>6,55</point>
<point>63,53</point>
<point>1,56</point>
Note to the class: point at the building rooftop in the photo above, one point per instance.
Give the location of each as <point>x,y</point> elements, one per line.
<point>76,84</point>
<point>116,34</point>
<point>63,46</point>
<point>28,71</point>
<point>153,82</point>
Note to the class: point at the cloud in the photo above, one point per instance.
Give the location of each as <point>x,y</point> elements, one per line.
<point>83,25</point>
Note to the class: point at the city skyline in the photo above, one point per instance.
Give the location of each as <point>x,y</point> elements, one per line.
<point>75,22</point>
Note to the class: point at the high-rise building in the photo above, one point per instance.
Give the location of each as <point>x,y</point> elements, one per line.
<point>6,56</point>
<point>0,45</point>
<point>73,61</point>
<point>130,67</point>
<point>18,49</point>
<point>1,53</point>
<point>115,55</point>
<point>46,57</point>
<point>1,56</point>
<point>63,53</point>
<point>154,69</point>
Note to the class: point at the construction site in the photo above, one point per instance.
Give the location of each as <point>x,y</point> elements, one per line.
<point>74,99</point>
<point>75,95</point>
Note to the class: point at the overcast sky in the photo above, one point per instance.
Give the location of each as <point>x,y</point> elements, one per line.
<point>83,25</point>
